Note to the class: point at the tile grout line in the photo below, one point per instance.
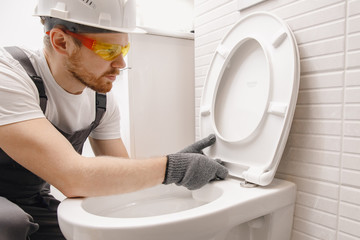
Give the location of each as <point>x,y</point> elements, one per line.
<point>343,116</point>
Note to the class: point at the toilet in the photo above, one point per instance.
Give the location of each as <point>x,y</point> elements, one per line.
<point>248,102</point>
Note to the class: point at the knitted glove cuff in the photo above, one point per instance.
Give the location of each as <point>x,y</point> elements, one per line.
<point>176,167</point>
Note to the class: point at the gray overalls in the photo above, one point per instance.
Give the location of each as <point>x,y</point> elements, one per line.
<point>27,210</point>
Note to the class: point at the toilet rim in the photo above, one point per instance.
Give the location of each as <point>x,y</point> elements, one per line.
<point>87,219</point>
<point>76,214</point>
<point>71,210</point>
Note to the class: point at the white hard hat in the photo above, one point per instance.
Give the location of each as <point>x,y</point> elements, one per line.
<point>107,15</point>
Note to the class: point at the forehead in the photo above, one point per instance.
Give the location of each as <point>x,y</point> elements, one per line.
<point>113,38</point>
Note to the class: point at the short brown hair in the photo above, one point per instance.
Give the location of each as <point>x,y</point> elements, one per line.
<point>46,39</point>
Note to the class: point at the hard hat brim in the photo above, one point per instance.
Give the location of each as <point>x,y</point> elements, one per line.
<point>82,27</point>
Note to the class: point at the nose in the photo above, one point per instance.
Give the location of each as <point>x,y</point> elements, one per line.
<point>118,62</point>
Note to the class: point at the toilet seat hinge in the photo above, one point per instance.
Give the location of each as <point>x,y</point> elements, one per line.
<point>253,175</point>
<point>246,184</point>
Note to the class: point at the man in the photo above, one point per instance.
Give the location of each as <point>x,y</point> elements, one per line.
<point>52,103</point>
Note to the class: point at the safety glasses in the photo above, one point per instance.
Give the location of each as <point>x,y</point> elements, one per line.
<point>106,51</point>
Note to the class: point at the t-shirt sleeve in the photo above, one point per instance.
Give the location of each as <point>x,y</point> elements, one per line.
<point>19,100</point>
<point>109,127</point>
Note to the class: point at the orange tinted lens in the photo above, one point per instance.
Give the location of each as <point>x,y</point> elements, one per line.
<point>110,51</point>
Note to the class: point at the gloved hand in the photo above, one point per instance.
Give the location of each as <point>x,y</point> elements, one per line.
<point>191,168</point>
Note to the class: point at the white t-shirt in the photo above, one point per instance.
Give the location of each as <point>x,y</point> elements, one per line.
<point>19,99</point>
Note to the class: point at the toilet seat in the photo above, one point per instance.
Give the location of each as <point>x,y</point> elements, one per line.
<point>249,96</point>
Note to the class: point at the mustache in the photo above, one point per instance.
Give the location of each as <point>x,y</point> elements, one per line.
<point>114,71</point>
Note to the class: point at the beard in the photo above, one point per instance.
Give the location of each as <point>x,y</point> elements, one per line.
<point>78,71</point>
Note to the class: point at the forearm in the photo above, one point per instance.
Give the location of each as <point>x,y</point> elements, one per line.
<point>74,175</point>
<point>99,176</point>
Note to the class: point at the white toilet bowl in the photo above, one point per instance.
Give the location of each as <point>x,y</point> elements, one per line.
<point>220,210</point>
<point>248,102</point>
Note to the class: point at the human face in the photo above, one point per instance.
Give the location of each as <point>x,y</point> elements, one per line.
<point>93,71</point>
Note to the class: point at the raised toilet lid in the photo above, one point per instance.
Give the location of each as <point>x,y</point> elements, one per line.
<point>249,96</point>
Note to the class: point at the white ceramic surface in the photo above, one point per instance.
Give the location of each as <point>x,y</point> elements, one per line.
<point>220,206</point>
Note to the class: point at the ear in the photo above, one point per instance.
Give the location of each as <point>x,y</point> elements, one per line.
<point>60,41</point>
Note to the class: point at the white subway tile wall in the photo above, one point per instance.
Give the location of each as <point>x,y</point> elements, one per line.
<point>322,155</point>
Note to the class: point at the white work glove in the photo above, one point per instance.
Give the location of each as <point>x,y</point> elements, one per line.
<point>191,168</point>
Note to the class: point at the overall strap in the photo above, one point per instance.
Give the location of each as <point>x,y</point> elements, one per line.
<point>24,60</point>
<point>100,106</point>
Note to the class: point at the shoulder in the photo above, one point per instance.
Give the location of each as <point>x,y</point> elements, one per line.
<point>6,57</point>
<point>13,74</point>
<point>19,98</point>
